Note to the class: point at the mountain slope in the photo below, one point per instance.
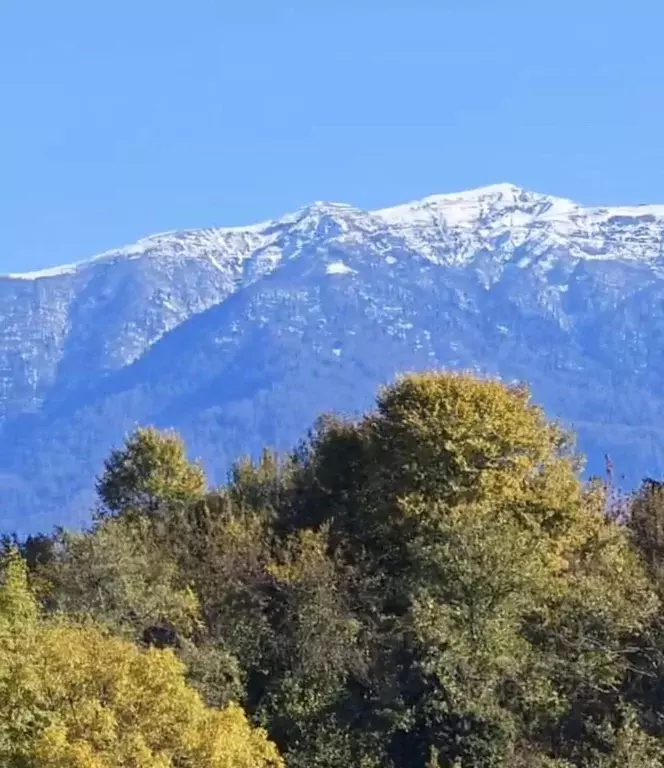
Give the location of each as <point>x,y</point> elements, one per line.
<point>240,337</point>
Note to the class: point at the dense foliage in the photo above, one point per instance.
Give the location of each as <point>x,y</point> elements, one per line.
<point>430,586</point>
<point>73,695</point>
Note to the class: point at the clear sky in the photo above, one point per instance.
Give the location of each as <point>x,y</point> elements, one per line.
<point>120,119</point>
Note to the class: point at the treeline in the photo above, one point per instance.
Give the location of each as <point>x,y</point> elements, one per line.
<point>430,586</point>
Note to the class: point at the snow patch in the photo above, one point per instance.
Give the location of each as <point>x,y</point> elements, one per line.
<point>339,268</point>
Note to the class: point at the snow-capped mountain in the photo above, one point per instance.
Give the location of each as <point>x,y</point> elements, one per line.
<point>240,337</point>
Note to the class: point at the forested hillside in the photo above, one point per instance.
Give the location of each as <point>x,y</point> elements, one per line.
<point>431,585</point>
<point>239,337</point>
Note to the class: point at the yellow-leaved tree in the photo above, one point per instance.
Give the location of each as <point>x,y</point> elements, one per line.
<point>500,577</point>
<point>149,474</point>
<point>73,696</point>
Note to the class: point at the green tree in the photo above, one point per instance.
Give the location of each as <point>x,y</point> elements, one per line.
<point>505,591</point>
<point>645,681</point>
<point>148,474</point>
<point>317,655</point>
<point>429,585</point>
<point>120,574</point>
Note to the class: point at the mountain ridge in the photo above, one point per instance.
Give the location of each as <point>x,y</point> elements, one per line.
<point>554,207</point>
<point>241,336</point>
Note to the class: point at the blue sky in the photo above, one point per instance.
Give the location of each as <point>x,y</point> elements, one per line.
<point>125,118</point>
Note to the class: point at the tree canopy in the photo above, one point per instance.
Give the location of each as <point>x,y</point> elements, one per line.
<point>431,584</point>
<point>74,695</point>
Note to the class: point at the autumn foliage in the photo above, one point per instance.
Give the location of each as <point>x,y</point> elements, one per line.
<point>432,584</point>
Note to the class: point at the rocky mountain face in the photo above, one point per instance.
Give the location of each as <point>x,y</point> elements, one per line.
<point>240,337</point>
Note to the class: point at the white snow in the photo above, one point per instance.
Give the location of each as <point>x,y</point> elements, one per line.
<point>445,229</point>
<point>339,268</point>
<point>628,211</point>
<point>464,209</point>
<point>65,269</point>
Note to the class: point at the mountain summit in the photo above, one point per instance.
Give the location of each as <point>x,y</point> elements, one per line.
<point>240,336</point>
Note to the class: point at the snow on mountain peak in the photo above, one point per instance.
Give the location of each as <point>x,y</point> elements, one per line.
<point>64,269</point>
<point>467,209</point>
<point>443,227</point>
